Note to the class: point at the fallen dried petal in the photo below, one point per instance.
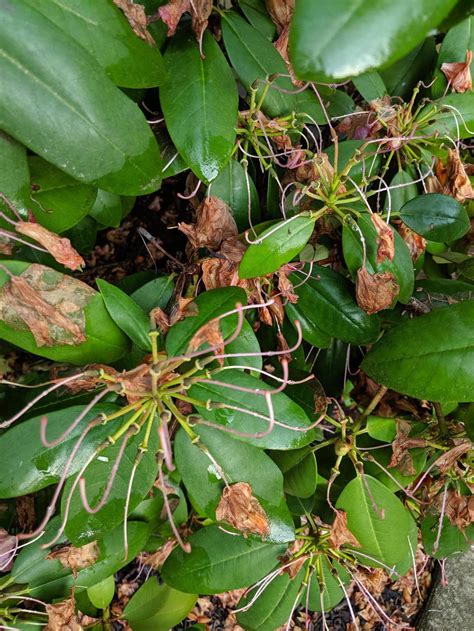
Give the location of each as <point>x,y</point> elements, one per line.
<point>385,242</point>
<point>171,13</point>
<point>401,457</point>
<point>215,223</point>
<point>211,334</point>
<point>136,16</point>
<point>62,617</point>
<point>459,74</point>
<point>340,533</point>
<point>375,292</point>
<point>239,508</point>
<point>59,247</point>
<point>200,12</point>
<point>76,558</point>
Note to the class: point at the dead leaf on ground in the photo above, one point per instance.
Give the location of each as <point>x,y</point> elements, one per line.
<point>214,224</point>
<point>459,74</point>
<point>401,457</point>
<point>136,17</point>
<point>62,617</point>
<point>48,303</point>
<point>76,558</point>
<point>239,508</point>
<point>59,247</point>
<point>340,533</point>
<point>385,240</point>
<point>451,178</point>
<point>375,292</point>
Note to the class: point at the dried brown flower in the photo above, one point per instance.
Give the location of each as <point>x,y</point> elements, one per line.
<point>239,508</point>
<point>59,247</point>
<point>459,74</point>
<point>375,292</point>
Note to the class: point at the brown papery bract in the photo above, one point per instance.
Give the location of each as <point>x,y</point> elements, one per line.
<point>375,292</point>
<point>239,508</point>
<point>59,247</point>
<point>340,533</point>
<point>459,74</point>
<point>385,240</point>
<point>214,224</point>
<point>136,17</point>
<point>62,617</point>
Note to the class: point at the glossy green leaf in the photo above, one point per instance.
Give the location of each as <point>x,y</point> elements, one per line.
<point>209,305</point>
<point>370,85</point>
<point>276,246</point>
<point>48,579</point>
<point>436,217</point>
<point>332,593</point>
<point>126,314</point>
<point>451,116</point>
<point>173,163</point>
<point>101,594</point>
<point>59,201</point>
<point>401,266</point>
<point>430,357</point>
<point>14,177</point>
<point>82,122</point>
<point>300,471</point>
<point>326,303</point>
<point>274,606</point>
<point>156,293</point>
<point>28,466</point>
<point>402,77</point>
<point>377,519</point>
<point>237,189</point>
<point>254,59</point>
<point>219,562</point>
<point>327,37</point>
<point>107,209</point>
<point>383,429</point>
<point>199,102</point>
<point>256,13</point>
<point>83,526</point>
<point>204,480</point>
<point>457,41</point>
<point>451,539</point>
<point>224,398</point>
<point>402,190</point>
<point>156,607</point>
<point>102,29</point>
<point>105,342</point>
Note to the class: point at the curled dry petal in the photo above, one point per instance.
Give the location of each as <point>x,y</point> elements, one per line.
<point>136,16</point>
<point>375,292</point>
<point>239,508</point>
<point>459,509</point>
<point>280,11</point>
<point>401,457</point>
<point>161,320</point>
<point>459,74</point>
<point>62,617</point>
<point>449,458</point>
<point>209,333</point>
<point>171,13</point>
<point>340,533</point>
<point>451,178</point>
<point>76,558</point>
<point>200,12</point>
<point>385,241</point>
<point>48,303</point>
<point>215,223</point>
<point>59,247</point>
<point>415,243</point>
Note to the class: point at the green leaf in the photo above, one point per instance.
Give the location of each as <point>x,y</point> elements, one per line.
<point>199,102</point>
<point>126,314</point>
<point>82,526</point>
<point>457,41</point>
<point>82,122</point>
<point>332,593</point>
<point>377,519</point>
<point>402,77</point>
<point>231,186</point>
<point>105,342</point>
<point>156,293</point>
<point>107,209</point>
<point>102,29</point>
<point>256,13</point>
<point>327,37</point>
<point>430,357</point>
<point>451,540</point>
<point>370,85</point>
<point>156,607</point>
<point>204,483</point>
<point>48,579</point>
<point>436,217</point>
<point>209,305</point>
<point>255,59</point>
<point>101,594</point>
<point>300,470</point>
<point>59,201</point>
<point>28,466</point>
<point>326,303</point>
<point>401,266</point>
<point>274,606</point>
<point>451,116</point>
<point>285,240</point>
<point>406,190</point>
<point>14,177</point>
<point>219,562</point>
<point>383,429</point>
<point>244,420</point>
